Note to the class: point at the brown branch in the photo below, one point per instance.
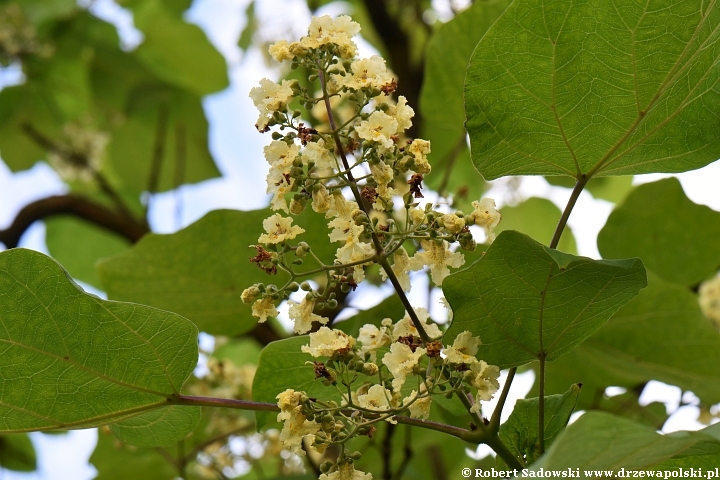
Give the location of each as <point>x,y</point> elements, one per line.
<point>76,206</point>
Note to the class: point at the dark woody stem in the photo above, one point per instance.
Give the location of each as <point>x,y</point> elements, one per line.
<point>382,260</point>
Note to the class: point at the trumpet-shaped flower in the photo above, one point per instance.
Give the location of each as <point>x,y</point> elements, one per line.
<point>295,424</point>
<point>303,316</point>
<point>264,308</point>
<point>279,229</point>
<point>463,349</point>
<point>380,128</point>
<point>438,257</point>
<point>269,98</point>
<point>400,361</point>
<point>486,216</point>
<point>406,327</point>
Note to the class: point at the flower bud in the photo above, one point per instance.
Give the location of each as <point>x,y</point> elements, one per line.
<point>249,295</point>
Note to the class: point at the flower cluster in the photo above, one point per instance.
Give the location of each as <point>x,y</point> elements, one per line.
<point>356,165</point>
<point>360,150</point>
<point>17,36</point>
<point>383,373</point>
<point>709,298</point>
<point>80,155</point>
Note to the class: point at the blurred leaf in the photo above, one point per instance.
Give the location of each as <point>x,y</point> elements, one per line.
<point>520,432</point>
<point>246,36</point>
<point>612,189</point>
<point>676,238</point>
<point>537,218</point>
<point>441,98</point>
<point>158,427</point>
<point>186,157</point>
<point>601,441</point>
<point>71,359</point>
<point>535,105</point>
<point>78,245</point>
<point>17,453</point>
<point>660,335</point>
<point>116,461</point>
<point>177,51</point>
<point>523,299</point>
<point>239,351</point>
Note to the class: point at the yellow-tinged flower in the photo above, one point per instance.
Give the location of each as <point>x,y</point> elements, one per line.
<point>279,229</point>
<point>295,424</point>
<point>264,308</point>
<point>317,153</point>
<point>420,149</point>
<point>406,327</point>
<point>709,298</point>
<point>345,230</point>
<point>376,398</point>
<point>403,113</point>
<point>420,407</point>
<point>326,343</point>
<point>269,98</point>
<point>485,379</point>
<point>463,349</point>
<point>452,223</point>
<point>417,215</point>
<point>320,199</point>
<point>380,128</point>
<point>438,257</point>
<point>303,316</point>
<point>486,216</point>
<point>326,30</point>
<point>353,252</point>
<point>367,73</point>
<point>401,267</point>
<point>341,207</point>
<point>400,361</point>
<point>280,51</point>
<point>280,156</point>
<point>346,471</point>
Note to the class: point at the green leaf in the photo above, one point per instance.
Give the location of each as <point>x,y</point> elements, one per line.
<point>521,288</point>
<point>72,360</point>
<point>240,351</point>
<point>177,51</point>
<point>77,245</point>
<point>186,157</point>
<point>660,335</point>
<point>158,427</point>
<point>537,218</point>
<point>676,238</point>
<point>17,453</point>
<point>117,461</point>
<point>520,432</point>
<point>595,88</point>
<point>602,441</point>
<point>441,98</point>
<point>200,271</point>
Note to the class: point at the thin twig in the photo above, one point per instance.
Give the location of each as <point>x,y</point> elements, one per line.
<point>387,451</point>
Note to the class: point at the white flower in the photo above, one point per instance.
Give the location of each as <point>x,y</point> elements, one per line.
<point>463,349</point>
<point>406,327</point>
<point>420,149</point>
<point>400,361</point>
<point>367,73</point>
<point>438,257</point>
<point>303,316</point>
<point>269,98</point>
<point>486,216</point>
<point>341,207</point>
<point>446,304</point>
<point>326,343</point>
<point>379,127</point>
<point>280,156</point>
<point>403,114</point>
<point>353,252</point>
<point>417,215</point>
<point>264,308</point>
<point>346,471</point>
<point>401,268</point>
<point>295,424</point>
<point>345,230</point>
<point>279,229</point>
<point>485,379</point>
<point>372,338</point>
<point>375,399</point>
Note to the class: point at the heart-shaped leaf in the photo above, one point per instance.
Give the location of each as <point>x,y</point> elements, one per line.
<point>596,87</point>
<point>71,360</point>
<point>526,300</point>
